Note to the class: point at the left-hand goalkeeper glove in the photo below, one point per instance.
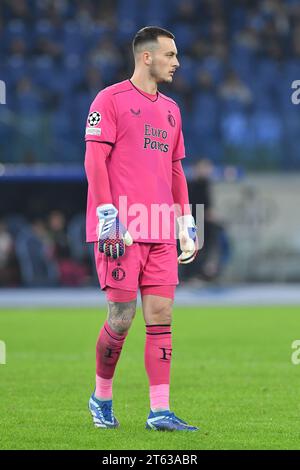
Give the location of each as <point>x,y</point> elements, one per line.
<point>188,239</point>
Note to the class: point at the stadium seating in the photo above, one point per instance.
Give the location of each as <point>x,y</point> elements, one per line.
<point>55,44</point>
<point>37,268</point>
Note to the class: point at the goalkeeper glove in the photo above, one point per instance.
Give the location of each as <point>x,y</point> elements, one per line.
<point>112,235</point>
<point>187,238</point>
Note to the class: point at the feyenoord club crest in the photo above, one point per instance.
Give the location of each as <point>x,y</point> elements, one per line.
<point>171,119</point>
<point>118,274</point>
<point>94,118</point>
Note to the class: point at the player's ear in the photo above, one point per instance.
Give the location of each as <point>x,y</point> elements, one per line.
<point>147,58</point>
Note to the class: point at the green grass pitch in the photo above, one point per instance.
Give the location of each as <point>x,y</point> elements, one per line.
<point>231,374</point>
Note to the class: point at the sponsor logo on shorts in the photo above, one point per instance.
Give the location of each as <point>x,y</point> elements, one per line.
<point>118,274</point>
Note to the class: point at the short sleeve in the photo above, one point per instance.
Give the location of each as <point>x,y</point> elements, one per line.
<point>101,122</point>
<point>179,148</point>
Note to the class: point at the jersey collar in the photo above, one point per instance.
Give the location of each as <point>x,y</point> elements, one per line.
<point>150,97</point>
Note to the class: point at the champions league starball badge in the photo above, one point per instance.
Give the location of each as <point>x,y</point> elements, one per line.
<point>94,118</point>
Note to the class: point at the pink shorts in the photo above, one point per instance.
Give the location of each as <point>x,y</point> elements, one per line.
<point>143,264</point>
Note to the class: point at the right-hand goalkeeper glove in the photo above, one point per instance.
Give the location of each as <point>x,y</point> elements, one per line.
<point>112,235</point>
<point>188,239</point>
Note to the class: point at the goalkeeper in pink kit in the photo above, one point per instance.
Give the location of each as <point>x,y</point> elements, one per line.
<point>134,148</point>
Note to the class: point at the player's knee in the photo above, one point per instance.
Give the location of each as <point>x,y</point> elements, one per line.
<point>161,315</point>
<point>119,326</point>
<point>121,315</point>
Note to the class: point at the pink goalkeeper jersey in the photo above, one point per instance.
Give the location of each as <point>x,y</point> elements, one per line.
<point>145,134</point>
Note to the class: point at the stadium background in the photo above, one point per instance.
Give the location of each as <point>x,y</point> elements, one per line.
<point>238,59</point>
<point>238,62</point>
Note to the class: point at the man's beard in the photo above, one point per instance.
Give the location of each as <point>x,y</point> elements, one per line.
<point>154,73</point>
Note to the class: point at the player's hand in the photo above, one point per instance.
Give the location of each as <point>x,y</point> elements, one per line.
<point>112,235</point>
<point>188,239</point>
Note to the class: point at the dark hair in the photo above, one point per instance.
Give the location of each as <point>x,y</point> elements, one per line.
<point>148,34</point>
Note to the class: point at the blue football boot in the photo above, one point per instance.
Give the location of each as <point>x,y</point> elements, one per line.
<point>167,421</point>
<point>103,413</point>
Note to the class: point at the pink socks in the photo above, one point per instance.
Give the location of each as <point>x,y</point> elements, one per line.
<point>158,351</point>
<point>108,350</point>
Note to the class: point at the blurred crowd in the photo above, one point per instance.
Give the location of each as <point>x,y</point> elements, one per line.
<point>45,252</point>
<point>238,61</point>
